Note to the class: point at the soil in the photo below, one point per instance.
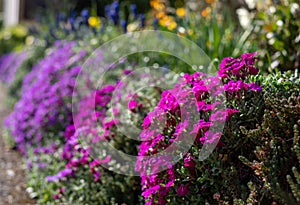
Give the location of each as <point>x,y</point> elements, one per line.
<point>12,169</point>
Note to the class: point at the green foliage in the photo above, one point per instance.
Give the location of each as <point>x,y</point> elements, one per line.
<point>212,27</point>
<point>112,188</point>
<point>277,140</point>
<point>277,32</point>
<point>41,165</point>
<point>12,38</point>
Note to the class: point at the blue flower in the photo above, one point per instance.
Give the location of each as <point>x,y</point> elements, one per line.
<point>71,21</point>
<point>124,25</point>
<point>113,12</point>
<point>61,174</point>
<point>115,7</point>
<point>143,20</point>
<point>134,11</point>
<point>85,14</point>
<point>155,23</point>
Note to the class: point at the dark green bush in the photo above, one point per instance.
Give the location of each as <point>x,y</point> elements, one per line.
<point>276,139</point>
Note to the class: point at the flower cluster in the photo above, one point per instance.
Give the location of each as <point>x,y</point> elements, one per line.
<point>45,106</point>
<point>161,15</point>
<point>238,68</point>
<point>172,122</point>
<point>74,152</point>
<point>95,123</point>
<point>9,65</point>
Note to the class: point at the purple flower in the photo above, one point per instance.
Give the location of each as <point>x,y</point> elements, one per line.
<point>234,87</point>
<point>64,173</point>
<point>124,25</point>
<point>127,72</point>
<point>56,196</point>
<point>113,12</point>
<point>52,178</point>
<point>97,176</point>
<point>46,97</point>
<point>240,68</point>
<point>134,11</point>
<point>132,105</point>
<point>210,137</point>
<point>9,65</point>
<point>143,20</point>
<point>183,190</point>
<point>255,87</point>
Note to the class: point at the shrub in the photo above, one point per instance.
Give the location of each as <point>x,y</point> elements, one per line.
<point>217,179</point>
<point>9,65</point>
<point>89,182</point>
<point>277,139</point>
<point>43,110</point>
<point>34,53</point>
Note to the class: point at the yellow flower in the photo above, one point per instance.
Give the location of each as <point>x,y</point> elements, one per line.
<point>180,12</point>
<point>210,1</point>
<point>157,5</point>
<point>206,12</point>
<point>160,15</point>
<point>208,44</point>
<point>168,21</point>
<point>190,32</point>
<point>172,25</point>
<point>165,21</point>
<point>94,22</point>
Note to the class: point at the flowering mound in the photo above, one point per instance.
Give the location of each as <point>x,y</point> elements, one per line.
<point>169,123</point>
<point>99,120</point>
<point>76,153</point>
<point>9,65</point>
<point>45,106</point>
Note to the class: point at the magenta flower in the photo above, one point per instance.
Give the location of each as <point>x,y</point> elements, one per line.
<point>97,176</point>
<point>238,67</point>
<point>255,87</point>
<point>211,137</point>
<point>56,196</point>
<point>183,190</point>
<point>132,105</point>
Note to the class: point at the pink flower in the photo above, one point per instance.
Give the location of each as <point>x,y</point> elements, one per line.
<point>97,162</point>
<point>183,190</point>
<point>255,87</point>
<point>190,163</point>
<point>97,176</point>
<point>211,137</point>
<point>56,197</point>
<point>132,105</point>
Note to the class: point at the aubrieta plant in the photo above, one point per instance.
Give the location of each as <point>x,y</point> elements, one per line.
<point>9,64</point>
<point>82,166</point>
<point>190,180</point>
<point>45,106</point>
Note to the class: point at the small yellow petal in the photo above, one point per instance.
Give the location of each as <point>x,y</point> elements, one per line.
<point>172,25</point>
<point>94,22</point>
<point>180,12</point>
<point>160,15</point>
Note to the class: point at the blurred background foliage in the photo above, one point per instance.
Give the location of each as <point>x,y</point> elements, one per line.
<point>220,27</point>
